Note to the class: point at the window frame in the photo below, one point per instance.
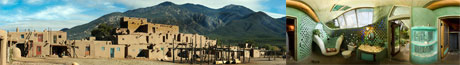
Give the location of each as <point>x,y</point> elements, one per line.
<point>343,23</point>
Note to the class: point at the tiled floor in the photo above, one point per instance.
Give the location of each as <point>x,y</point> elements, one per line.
<point>401,58</point>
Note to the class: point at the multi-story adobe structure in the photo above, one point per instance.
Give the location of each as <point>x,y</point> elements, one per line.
<point>136,38</point>
<point>36,44</point>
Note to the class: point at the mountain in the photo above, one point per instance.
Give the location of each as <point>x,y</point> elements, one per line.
<point>231,23</point>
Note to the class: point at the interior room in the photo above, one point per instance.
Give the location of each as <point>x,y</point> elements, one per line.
<point>373,31</point>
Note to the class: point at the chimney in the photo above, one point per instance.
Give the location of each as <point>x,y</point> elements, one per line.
<point>17,29</point>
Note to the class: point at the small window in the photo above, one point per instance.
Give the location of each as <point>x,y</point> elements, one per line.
<point>118,48</point>
<point>22,35</point>
<point>178,37</point>
<point>164,39</point>
<point>54,38</point>
<point>87,48</point>
<point>59,36</point>
<point>153,29</point>
<point>102,48</point>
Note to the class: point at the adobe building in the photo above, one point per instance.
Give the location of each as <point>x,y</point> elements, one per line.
<point>3,47</point>
<point>33,43</point>
<point>136,38</point>
<point>156,41</point>
<point>91,48</point>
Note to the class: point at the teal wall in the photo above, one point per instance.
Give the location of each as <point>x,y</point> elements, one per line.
<point>447,11</point>
<point>305,26</point>
<point>422,17</point>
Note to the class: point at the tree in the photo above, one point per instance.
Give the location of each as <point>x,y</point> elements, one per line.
<point>252,43</point>
<point>267,46</point>
<point>275,48</point>
<point>283,49</point>
<point>103,32</point>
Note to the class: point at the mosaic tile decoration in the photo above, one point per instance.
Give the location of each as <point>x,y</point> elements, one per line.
<point>304,33</point>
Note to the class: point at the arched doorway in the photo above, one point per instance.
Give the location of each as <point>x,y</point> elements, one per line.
<point>449,29</point>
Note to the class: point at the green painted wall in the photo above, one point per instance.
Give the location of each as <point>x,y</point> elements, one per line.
<point>305,26</point>
<point>422,17</point>
<point>447,11</point>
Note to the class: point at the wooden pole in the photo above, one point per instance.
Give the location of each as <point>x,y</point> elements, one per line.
<point>173,54</point>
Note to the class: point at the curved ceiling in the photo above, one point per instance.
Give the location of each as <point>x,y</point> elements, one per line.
<point>323,7</point>
<point>443,3</point>
<point>303,7</point>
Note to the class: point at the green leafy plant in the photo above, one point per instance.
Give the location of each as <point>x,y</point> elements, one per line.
<point>316,32</point>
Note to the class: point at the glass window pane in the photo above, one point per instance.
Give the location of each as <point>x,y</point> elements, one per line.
<point>336,23</point>
<point>350,18</point>
<point>364,17</point>
<point>342,22</point>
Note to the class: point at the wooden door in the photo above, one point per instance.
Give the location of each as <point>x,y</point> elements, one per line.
<point>112,52</point>
<point>443,38</point>
<point>87,51</point>
<point>39,50</point>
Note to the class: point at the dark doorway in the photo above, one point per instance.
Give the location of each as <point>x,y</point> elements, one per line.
<point>22,48</point>
<point>143,53</point>
<point>291,36</point>
<point>60,51</point>
<point>449,28</point>
<point>87,50</point>
<point>112,52</point>
<point>397,34</point>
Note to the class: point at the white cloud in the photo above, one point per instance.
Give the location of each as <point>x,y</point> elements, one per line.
<point>65,12</point>
<point>275,15</point>
<point>55,17</point>
<point>8,2</point>
<point>40,25</point>
<point>34,2</point>
<point>56,12</point>
<point>101,5</point>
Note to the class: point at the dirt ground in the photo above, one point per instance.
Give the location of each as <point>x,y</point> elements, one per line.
<point>106,61</point>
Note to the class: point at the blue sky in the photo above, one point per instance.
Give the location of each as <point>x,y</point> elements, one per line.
<point>58,14</point>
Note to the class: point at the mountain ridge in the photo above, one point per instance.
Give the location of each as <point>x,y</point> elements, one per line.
<point>231,22</point>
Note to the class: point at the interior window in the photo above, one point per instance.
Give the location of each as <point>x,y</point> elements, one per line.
<point>336,22</point>
<point>350,18</point>
<point>364,17</point>
<point>342,22</point>
<point>354,18</point>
